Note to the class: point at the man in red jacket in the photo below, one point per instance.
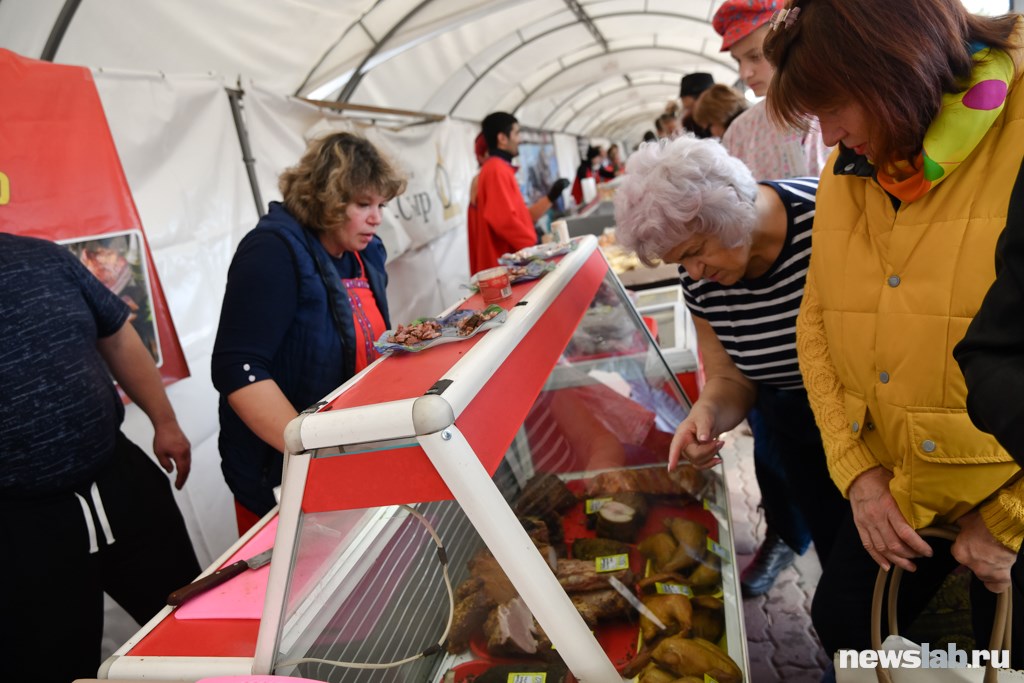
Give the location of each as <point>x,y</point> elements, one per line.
<point>503,222</point>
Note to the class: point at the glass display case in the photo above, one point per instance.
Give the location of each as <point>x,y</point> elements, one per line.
<point>493,509</point>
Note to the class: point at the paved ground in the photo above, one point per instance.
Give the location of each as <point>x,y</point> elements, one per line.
<point>782,646</point>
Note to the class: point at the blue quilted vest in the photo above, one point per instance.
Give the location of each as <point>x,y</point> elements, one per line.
<point>316,355</point>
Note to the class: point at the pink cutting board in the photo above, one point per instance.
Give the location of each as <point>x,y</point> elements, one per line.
<point>241,597</point>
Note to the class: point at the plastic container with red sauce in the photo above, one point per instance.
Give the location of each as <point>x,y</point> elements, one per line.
<point>494,284</point>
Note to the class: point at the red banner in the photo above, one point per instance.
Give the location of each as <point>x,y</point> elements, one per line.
<point>61,180</point>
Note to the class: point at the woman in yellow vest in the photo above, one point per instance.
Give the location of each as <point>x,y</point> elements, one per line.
<point>927,119</point>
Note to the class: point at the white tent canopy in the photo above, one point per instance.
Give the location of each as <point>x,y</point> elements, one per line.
<point>570,66</point>
<point>585,67</point>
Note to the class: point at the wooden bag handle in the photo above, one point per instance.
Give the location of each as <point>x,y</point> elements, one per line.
<point>1000,624</point>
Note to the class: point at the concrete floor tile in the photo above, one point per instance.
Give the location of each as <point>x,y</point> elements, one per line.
<point>793,674</point>
<point>786,594</point>
<point>794,646</point>
<point>757,619</point>
<point>762,670</point>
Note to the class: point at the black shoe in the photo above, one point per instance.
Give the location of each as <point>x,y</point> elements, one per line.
<point>772,557</point>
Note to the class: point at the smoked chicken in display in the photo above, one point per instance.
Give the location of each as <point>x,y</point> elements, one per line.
<point>646,528</point>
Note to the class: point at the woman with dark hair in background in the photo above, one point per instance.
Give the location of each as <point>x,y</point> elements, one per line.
<point>615,165</point>
<point>928,121</point>
<point>305,301</point>
<point>588,168</point>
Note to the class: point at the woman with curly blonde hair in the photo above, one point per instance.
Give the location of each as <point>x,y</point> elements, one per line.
<point>305,301</point>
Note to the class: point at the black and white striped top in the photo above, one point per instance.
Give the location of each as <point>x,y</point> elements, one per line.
<point>756,319</point>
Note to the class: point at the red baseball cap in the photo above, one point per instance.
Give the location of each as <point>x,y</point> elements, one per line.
<point>737,19</point>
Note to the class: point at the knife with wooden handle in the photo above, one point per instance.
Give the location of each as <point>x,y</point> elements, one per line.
<point>218,577</point>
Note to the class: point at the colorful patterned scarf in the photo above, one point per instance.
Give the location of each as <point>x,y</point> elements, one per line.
<point>962,122</point>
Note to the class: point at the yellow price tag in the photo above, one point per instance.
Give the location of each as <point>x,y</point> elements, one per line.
<point>611,563</point>
<point>717,549</point>
<point>673,589</point>
<point>529,678</point>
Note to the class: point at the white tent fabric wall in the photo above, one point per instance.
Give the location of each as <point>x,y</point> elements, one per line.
<point>430,275</point>
<point>179,149</point>
<point>567,153</point>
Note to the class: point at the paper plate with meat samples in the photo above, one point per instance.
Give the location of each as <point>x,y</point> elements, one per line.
<point>426,332</point>
<point>645,527</point>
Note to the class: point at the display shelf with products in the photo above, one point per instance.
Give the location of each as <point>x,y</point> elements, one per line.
<point>493,509</point>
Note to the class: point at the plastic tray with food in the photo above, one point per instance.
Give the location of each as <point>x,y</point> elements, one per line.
<point>537,252</point>
<point>532,270</point>
<point>660,520</point>
<point>423,333</point>
<point>635,550</point>
<point>605,331</point>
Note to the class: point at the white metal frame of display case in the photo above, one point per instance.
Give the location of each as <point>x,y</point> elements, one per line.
<point>428,421</point>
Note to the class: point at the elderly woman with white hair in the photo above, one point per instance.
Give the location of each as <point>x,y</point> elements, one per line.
<point>743,249</point>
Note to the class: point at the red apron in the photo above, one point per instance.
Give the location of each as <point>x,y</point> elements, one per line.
<point>366,317</point>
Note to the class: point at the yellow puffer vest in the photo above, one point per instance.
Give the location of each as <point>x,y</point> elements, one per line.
<point>896,291</point>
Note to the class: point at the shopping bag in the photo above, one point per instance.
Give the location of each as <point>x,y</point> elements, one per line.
<point>900,660</point>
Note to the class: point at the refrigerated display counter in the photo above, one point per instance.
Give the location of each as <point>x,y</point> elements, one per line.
<point>496,508</point>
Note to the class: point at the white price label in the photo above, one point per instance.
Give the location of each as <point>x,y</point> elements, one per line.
<point>717,549</point>
<point>611,563</point>
<point>673,589</point>
<point>712,508</point>
<point>594,504</point>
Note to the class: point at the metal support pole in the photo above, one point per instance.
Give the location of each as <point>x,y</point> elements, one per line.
<point>235,97</point>
<point>60,27</point>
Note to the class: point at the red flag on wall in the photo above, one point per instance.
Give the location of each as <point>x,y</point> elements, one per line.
<point>61,180</point>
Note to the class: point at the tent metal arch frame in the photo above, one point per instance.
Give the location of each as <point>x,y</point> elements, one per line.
<point>59,28</point>
<point>595,119</point>
<point>357,75</point>
<point>599,125</point>
<point>335,44</point>
<point>524,42</point>
<point>590,86</point>
<point>585,60</point>
<point>612,15</point>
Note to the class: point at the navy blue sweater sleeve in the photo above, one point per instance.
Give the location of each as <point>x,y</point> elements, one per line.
<point>259,305</point>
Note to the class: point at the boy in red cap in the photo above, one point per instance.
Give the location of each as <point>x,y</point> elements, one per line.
<point>771,153</point>
<point>768,151</point>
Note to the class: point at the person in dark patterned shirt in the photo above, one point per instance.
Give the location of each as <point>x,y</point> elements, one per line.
<point>83,510</point>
